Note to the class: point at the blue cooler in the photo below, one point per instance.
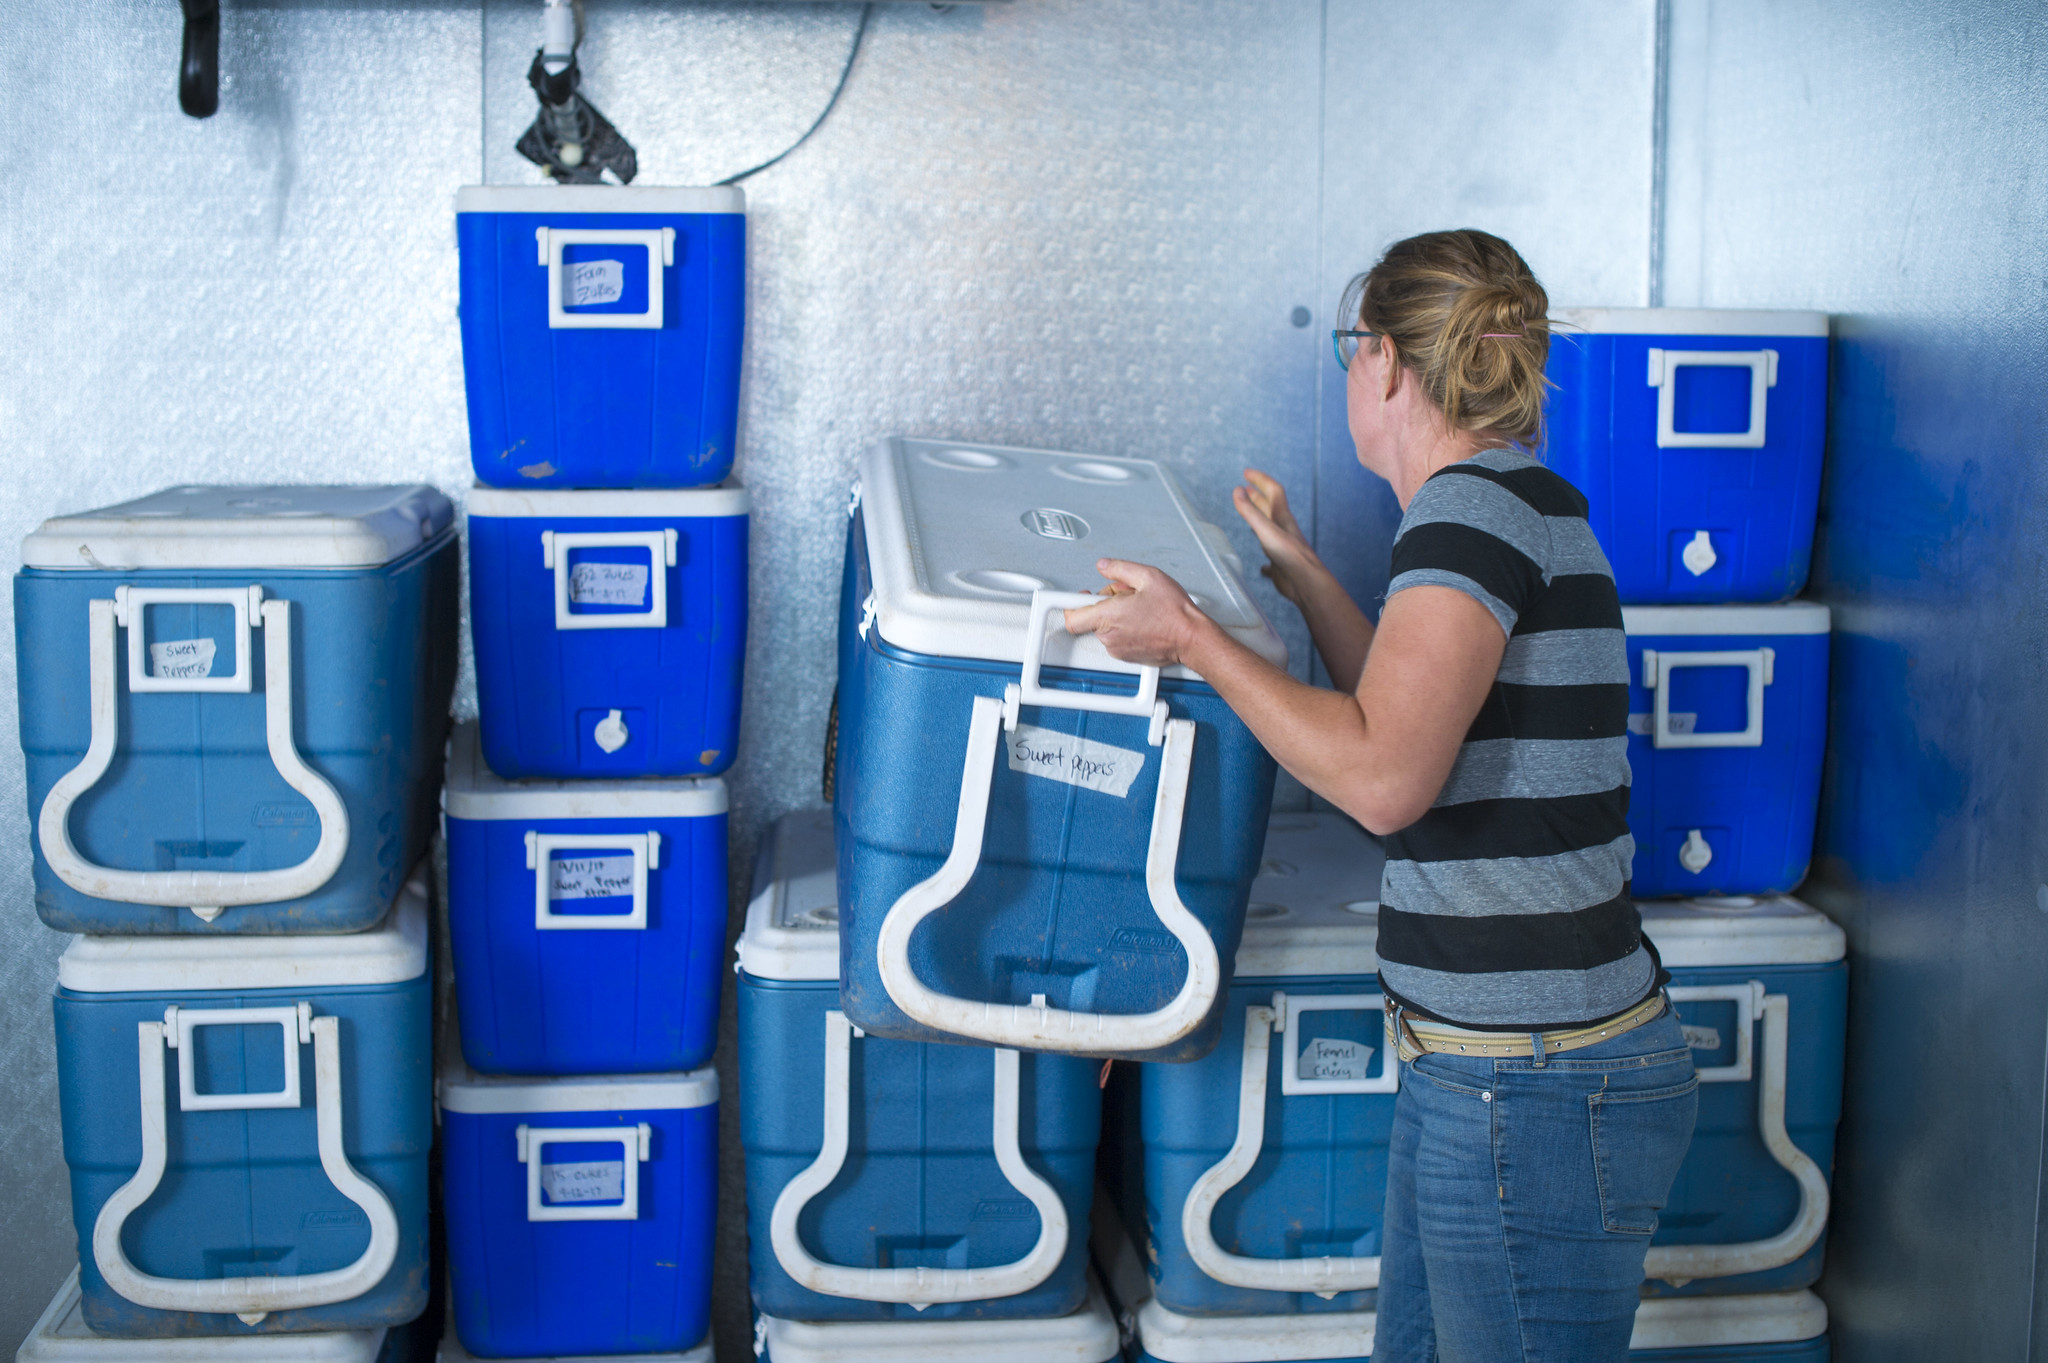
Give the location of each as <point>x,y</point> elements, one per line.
<point>1696,436</point>
<point>1085,894</point>
<point>580,1211</point>
<point>1088,1335</point>
<point>601,333</point>
<point>275,1179</point>
<point>894,1180</point>
<point>609,628</point>
<point>1728,717</point>
<point>1762,988</point>
<point>1265,1164</point>
<point>61,1335</point>
<point>588,919</point>
<point>260,754</point>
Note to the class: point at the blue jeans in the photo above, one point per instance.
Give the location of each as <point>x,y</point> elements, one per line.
<point>1521,1196</point>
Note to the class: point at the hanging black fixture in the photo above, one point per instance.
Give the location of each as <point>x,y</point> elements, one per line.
<point>199,66</point>
<point>570,139</point>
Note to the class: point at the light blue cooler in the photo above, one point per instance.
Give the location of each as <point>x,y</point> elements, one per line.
<point>1085,893</point>
<point>601,333</point>
<point>610,628</point>
<point>61,1335</point>
<point>1762,988</point>
<point>1728,718</point>
<point>895,1180</point>
<point>264,1169</point>
<point>1696,436</point>
<point>1265,1164</point>
<point>233,701</point>
<point>588,919</point>
<point>579,1211</point>
<point>1088,1335</point>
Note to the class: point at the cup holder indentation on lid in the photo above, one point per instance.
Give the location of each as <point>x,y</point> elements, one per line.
<point>1264,912</point>
<point>824,916</point>
<point>1365,907</point>
<point>1000,581</point>
<point>1731,903</point>
<point>965,460</point>
<point>1098,471</point>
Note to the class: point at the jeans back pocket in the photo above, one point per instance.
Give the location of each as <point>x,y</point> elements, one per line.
<point>1639,1140</point>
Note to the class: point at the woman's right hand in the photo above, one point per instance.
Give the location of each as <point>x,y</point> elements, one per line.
<point>1290,561</point>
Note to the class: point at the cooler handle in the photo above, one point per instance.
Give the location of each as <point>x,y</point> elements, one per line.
<point>296,1028</point>
<point>250,1298</point>
<point>1034,1025</point>
<point>540,848</point>
<point>1763,376</point>
<point>634,1142</point>
<point>916,1287</point>
<point>1029,690</point>
<point>661,553</point>
<point>1659,664</point>
<point>1681,1264</point>
<point>1748,999</point>
<point>1325,1276</point>
<point>1288,1013</point>
<point>206,892</point>
<point>660,245</point>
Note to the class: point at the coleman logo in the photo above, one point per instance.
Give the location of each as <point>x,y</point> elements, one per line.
<point>1054,525</point>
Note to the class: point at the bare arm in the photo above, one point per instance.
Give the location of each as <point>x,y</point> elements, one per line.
<point>1380,752</point>
<point>1342,634</point>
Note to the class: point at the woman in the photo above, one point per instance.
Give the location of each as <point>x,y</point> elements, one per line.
<point>1548,1094</point>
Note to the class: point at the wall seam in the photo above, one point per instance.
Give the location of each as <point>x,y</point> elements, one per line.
<point>1660,147</point>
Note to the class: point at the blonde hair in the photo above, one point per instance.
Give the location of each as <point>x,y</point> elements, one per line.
<point>1467,317</point>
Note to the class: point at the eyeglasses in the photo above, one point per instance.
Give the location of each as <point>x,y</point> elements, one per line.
<point>1345,343</point>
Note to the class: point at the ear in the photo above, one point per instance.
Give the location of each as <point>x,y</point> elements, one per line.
<point>1390,359</point>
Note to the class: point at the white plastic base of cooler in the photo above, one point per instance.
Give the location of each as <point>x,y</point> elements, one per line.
<point>1090,1335</point>
<point>453,1352</point>
<point>61,1336</point>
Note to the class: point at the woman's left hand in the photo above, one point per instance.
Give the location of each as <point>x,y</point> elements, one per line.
<point>1145,618</point>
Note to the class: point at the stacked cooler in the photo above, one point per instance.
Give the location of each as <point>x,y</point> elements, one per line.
<point>586,818</point>
<point>1036,860</point>
<point>232,704</point>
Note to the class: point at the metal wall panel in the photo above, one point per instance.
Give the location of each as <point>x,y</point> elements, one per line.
<point>1886,162</point>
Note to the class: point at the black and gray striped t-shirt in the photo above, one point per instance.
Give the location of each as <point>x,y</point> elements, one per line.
<point>1507,905</point>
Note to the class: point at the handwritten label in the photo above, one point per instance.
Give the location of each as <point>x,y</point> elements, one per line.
<point>608,584</point>
<point>590,877</point>
<point>1701,1038</point>
<point>592,282</point>
<point>1681,722</point>
<point>587,1181</point>
<point>183,658</point>
<point>1327,1058</point>
<point>1076,761</point>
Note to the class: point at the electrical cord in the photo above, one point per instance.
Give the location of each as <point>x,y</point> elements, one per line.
<point>859,35</point>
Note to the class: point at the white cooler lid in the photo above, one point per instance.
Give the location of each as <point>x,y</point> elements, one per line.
<point>1790,617</point>
<point>264,526</point>
<point>1089,1335</point>
<point>792,930</point>
<point>1690,322</point>
<point>61,1336</point>
<point>390,953</point>
<point>458,1088</point>
<point>954,556</point>
<point>474,791</point>
<point>1661,1323</point>
<point>599,199</point>
<point>1741,930</point>
<point>648,504</point>
<point>1300,920</point>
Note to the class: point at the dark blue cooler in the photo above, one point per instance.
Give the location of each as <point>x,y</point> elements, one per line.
<point>1039,847</point>
<point>259,1165</point>
<point>588,919</point>
<point>580,1211</point>
<point>1265,1163</point>
<point>601,333</point>
<point>233,702</point>
<point>1728,720</point>
<point>894,1180</point>
<point>610,629</point>
<point>1696,435</point>
<point>1763,991</point>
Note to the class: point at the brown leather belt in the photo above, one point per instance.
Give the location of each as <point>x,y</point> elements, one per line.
<point>1414,1038</point>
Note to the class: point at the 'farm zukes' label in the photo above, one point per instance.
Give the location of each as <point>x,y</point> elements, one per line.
<point>1076,761</point>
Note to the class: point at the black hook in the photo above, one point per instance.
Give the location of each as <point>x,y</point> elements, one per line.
<point>199,69</point>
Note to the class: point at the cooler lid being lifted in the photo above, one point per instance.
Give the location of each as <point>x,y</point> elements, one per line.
<point>260,526</point>
<point>474,791</point>
<point>1314,908</point>
<point>960,535</point>
<point>792,930</point>
<point>1740,930</point>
